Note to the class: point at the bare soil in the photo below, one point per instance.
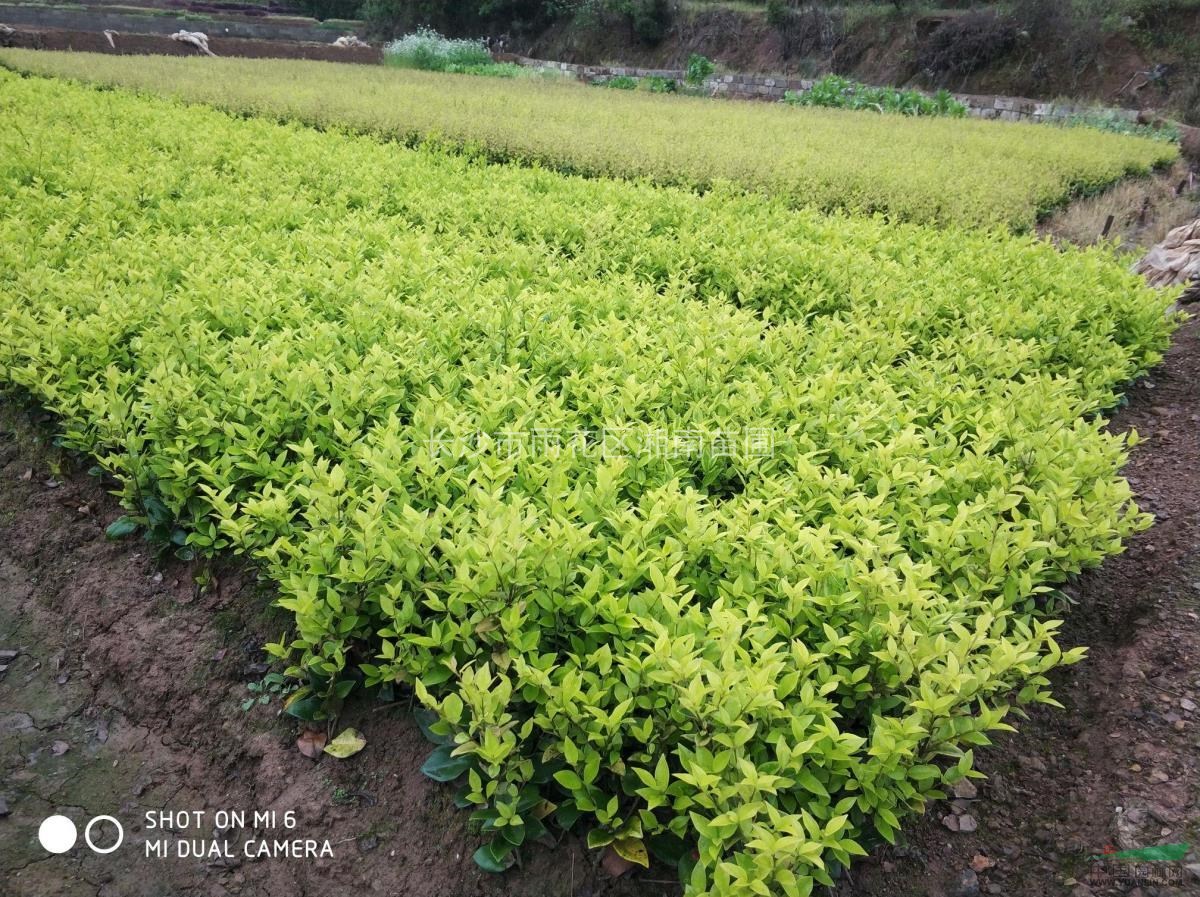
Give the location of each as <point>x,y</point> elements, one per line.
<point>126,698</point>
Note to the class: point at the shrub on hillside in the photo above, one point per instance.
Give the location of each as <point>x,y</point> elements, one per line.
<point>651,19</point>
<point>966,44</point>
<point>698,68</point>
<point>1190,145</point>
<point>389,18</point>
<point>1188,103</point>
<point>332,9</point>
<point>428,50</point>
<point>648,20</point>
<point>806,29</point>
<point>1071,33</point>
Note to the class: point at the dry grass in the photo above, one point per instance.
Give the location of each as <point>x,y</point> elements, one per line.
<point>1143,211</point>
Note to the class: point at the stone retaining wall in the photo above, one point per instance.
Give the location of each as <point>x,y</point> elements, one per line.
<point>773,87</point>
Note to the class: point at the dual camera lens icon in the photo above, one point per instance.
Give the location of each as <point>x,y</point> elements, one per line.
<point>58,834</point>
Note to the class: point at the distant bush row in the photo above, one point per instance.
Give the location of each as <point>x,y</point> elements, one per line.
<point>959,172</point>
<point>836,92</point>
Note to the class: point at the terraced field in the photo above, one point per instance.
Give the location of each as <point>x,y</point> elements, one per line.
<point>973,173</point>
<point>720,529</point>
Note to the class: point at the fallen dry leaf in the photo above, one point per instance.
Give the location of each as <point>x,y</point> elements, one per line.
<point>347,744</point>
<point>311,742</point>
<point>614,864</point>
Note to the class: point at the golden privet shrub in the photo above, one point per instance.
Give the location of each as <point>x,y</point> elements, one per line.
<point>932,170</point>
<point>713,527</point>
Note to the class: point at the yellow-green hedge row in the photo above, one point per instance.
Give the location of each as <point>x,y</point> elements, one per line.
<point>710,525</point>
<point>945,171</point>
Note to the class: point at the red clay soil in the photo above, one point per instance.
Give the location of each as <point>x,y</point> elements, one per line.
<point>127,696</point>
<point>158,44</point>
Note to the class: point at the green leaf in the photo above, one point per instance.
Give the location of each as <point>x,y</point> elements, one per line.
<point>599,837</point>
<point>812,783</point>
<point>157,512</point>
<point>346,744</point>
<point>496,856</point>
<point>667,847</point>
<point>452,708</point>
<point>427,718</point>
<point>306,708</point>
<point>121,527</point>
<point>633,850</point>
<point>567,815</point>
<point>442,767</point>
<point>568,780</point>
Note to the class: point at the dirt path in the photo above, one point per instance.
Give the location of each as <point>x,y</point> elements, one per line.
<point>126,697</point>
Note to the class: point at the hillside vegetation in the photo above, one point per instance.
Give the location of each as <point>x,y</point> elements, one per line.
<point>1141,53</point>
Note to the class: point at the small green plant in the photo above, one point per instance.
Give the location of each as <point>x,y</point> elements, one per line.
<point>618,82</point>
<point>272,685</point>
<point>836,92</point>
<point>428,50</point>
<point>658,84</point>
<point>161,530</point>
<point>1109,120</point>
<point>345,797</point>
<point>698,68</point>
<point>490,69</point>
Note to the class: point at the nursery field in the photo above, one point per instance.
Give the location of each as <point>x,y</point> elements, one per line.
<point>705,525</point>
<point>928,170</point>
